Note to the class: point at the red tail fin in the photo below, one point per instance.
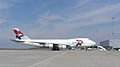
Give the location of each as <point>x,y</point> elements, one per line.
<point>20,35</point>
<point>17,31</point>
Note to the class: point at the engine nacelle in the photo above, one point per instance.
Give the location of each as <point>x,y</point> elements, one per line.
<point>59,46</point>
<point>62,46</point>
<point>50,45</point>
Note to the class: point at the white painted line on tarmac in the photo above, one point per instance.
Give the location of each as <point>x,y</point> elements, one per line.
<point>43,61</point>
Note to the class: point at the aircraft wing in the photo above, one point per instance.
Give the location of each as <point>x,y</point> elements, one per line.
<point>45,43</point>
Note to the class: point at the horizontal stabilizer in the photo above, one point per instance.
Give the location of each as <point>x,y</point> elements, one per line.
<point>17,40</point>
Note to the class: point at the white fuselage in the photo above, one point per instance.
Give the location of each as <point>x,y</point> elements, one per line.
<point>48,42</point>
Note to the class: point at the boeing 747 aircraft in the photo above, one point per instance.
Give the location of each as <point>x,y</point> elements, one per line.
<point>55,44</point>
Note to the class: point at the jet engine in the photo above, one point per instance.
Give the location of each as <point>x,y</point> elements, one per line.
<point>56,45</point>
<point>50,45</point>
<point>62,46</point>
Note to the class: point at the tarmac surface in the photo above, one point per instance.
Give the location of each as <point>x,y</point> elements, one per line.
<point>74,58</point>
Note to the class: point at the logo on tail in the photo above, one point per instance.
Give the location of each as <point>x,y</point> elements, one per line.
<point>18,33</point>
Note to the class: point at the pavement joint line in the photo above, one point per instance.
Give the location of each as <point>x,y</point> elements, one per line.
<point>35,64</point>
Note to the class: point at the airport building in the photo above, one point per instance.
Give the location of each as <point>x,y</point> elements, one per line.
<point>111,44</point>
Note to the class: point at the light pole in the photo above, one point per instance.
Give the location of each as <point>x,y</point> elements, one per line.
<point>113,31</point>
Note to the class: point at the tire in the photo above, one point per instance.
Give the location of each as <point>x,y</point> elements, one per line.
<point>55,47</point>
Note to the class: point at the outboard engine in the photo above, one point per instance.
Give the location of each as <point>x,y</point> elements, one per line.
<point>62,46</point>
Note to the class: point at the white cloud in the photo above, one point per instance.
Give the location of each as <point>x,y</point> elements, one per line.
<point>4,4</point>
<point>81,3</point>
<point>2,21</point>
<point>46,18</point>
<point>96,12</point>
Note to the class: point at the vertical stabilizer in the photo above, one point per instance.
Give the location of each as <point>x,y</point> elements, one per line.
<point>19,34</point>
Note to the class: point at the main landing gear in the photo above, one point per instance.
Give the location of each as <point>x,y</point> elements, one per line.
<point>55,47</point>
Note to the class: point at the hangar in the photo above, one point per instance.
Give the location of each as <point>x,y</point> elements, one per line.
<point>111,43</point>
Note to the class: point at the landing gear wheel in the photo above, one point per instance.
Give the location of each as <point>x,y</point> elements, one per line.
<point>55,47</point>
<point>68,47</point>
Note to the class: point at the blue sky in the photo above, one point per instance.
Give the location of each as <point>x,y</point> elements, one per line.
<point>58,19</point>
